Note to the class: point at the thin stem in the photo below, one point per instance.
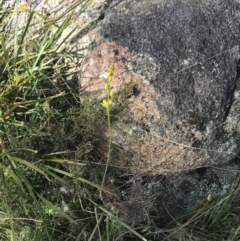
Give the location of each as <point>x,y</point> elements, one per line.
<point>107,104</point>
<point>109,143</point>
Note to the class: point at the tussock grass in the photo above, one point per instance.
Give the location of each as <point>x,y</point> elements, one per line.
<point>35,98</point>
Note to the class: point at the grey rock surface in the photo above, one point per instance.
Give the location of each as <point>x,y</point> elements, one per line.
<point>162,196</point>
<point>187,55</point>
<point>189,51</point>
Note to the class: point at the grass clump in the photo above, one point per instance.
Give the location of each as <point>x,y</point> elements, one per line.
<point>36,98</point>
<point>48,136</point>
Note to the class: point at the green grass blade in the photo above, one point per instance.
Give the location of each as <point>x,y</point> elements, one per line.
<point>95,228</point>
<point>80,179</point>
<point>41,52</point>
<point>24,34</point>
<point>58,210</point>
<point>66,38</point>
<point>13,235</point>
<point>111,216</point>
<point>86,4</point>
<point>64,161</point>
<point>29,164</point>
<point>16,179</point>
<point>4,49</point>
<point>9,151</point>
<point>26,29</point>
<point>50,173</point>
<point>58,33</point>
<point>235,234</point>
<point>11,174</point>
<point>36,202</point>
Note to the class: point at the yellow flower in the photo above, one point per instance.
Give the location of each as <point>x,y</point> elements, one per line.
<point>106,104</point>
<point>106,86</point>
<point>110,73</point>
<point>110,94</point>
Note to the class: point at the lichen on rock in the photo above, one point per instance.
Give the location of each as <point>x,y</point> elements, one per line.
<point>188,51</point>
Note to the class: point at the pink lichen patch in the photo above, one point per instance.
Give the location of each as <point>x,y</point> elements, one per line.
<point>94,72</point>
<point>150,151</point>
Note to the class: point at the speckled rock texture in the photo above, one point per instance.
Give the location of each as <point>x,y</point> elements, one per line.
<point>184,57</point>
<point>163,197</point>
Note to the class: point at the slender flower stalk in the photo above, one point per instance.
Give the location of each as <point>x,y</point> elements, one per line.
<point>106,103</point>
